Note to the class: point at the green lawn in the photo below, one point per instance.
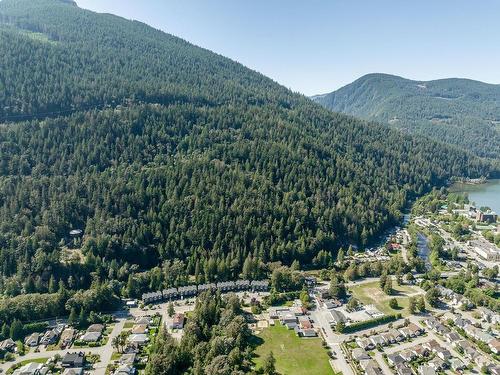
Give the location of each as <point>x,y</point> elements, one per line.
<point>371,294</point>
<point>294,355</point>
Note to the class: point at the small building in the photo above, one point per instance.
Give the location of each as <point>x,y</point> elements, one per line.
<point>143,320</point>
<point>494,345</point>
<point>33,339</point>
<point>456,364</point>
<point>128,359</point>
<point>437,364</point>
<point>178,321</point>
<point>73,360</point>
<point>395,359</point>
<point>426,370</point>
<point>360,354</point>
<point>73,371</point>
<point>8,345</point>
<point>139,328</point>
<point>419,351</point>
<point>377,340</point>
<point>32,368</point>
<point>91,336</point>
<point>125,370</point>
<point>67,337</point>
<point>131,303</point>
<point>364,343</point>
<point>443,353</point>
<point>336,317</point>
<point>96,328</point>
<point>138,340</point>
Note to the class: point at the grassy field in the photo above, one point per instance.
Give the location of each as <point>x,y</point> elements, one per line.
<point>294,355</point>
<point>372,294</point>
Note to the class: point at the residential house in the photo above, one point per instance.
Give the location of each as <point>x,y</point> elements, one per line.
<point>67,337</point>
<point>443,353</point>
<point>8,345</point>
<point>178,321</point>
<point>128,359</point>
<point>461,322</point>
<point>73,371</point>
<point>306,332</point>
<point>33,339</point>
<point>437,364</point>
<point>388,337</point>
<point>489,316</point>
<point>396,334</point>
<point>73,360</point>
<point>471,353</point>
<point>139,328</point>
<point>494,345</point>
<point>403,369</point>
<point>419,351</point>
<point>125,370</point>
<point>144,320</point>
<point>359,354</point>
<point>96,328</point>
<point>493,369</point>
<point>452,337</point>
<point>407,355</point>
<point>456,364</point>
<point>50,337</point>
<point>305,323</point>
<point>138,339</point>
<point>91,336</point>
<point>32,368</point>
<point>377,340</point>
<point>426,370</point>
<point>462,344</point>
<point>394,359</point>
<point>431,345</point>
<point>364,343</point>
<point>415,330</point>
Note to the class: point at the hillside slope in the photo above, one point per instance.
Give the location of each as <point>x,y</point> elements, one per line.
<point>166,154</point>
<point>459,112</point>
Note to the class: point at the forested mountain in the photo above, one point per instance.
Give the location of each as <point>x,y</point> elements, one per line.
<point>176,162</point>
<point>459,112</point>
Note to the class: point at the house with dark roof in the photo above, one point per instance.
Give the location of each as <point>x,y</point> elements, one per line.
<point>75,359</point>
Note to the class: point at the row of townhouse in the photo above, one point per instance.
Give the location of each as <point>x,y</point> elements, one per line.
<point>389,337</point>
<point>193,290</point>
<point>366,363</point>
<point>454,299</point>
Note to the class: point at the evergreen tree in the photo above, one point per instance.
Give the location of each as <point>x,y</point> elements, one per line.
<point>16,330</point>
<point>269,365</point>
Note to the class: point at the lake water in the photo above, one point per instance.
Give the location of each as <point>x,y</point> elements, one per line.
<point>487,194</point>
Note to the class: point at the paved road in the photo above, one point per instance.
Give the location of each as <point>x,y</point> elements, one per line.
<point>104,351</point>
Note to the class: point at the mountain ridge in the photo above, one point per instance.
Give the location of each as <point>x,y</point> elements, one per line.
<point>458,111</point>
<point>198,167</point>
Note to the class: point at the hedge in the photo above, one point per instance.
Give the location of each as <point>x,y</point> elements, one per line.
<point>370,323</point>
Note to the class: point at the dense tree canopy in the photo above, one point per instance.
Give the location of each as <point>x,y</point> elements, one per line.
<point>175,161</point>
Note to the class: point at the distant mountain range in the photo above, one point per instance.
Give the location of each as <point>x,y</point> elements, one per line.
<point>459,112</point>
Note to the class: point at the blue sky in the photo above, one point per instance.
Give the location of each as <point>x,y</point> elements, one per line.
<point>317,46</point>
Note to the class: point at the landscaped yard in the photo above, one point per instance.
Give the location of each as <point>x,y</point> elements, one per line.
<point>294,355</point>
<point>371,294</point>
